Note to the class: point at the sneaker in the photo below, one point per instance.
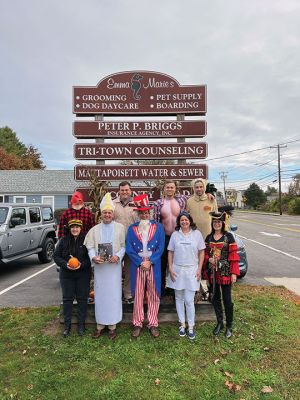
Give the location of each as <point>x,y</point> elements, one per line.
<point>182,332</point>
<point>192,335</point>
<point>130,300</point>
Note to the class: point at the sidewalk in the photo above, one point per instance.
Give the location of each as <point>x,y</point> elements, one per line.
<point>292,284</point>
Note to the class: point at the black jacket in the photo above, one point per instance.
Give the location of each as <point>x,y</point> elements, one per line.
<point>67,247</point>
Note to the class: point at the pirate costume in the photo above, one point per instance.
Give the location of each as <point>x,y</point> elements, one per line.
<point>223,251</point>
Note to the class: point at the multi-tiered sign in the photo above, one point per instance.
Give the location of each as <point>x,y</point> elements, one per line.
<point>140,93</point>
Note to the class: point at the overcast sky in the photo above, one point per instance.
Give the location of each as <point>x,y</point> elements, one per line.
<point>247,53</point>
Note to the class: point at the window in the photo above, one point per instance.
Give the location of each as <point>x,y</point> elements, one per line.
<point>49,200</point>
<point>18,215</point>
<point>47,214</point>
<point>19,199</point>
<point>34,214</point>
<point>4,199</point>
<point>3,214</point>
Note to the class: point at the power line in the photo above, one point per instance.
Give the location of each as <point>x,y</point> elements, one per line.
<point>247,152</point>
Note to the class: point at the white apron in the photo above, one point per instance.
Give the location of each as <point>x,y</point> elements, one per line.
<point>108,277</point>
<point>185,262</point>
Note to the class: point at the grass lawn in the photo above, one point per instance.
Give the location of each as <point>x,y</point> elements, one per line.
<point>38,363</point>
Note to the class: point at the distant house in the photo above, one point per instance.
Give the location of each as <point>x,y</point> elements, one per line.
<point>273,196</point>
<point>235,198</point>
<point>53,187</point>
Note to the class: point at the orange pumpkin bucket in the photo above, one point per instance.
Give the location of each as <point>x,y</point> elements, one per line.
<point>73,263</point>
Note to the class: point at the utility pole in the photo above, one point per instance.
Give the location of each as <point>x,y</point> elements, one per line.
<point>279,146</point>
<point>223,176</point>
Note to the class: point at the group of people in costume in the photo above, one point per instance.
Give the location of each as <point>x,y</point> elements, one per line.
<point>175,245</point>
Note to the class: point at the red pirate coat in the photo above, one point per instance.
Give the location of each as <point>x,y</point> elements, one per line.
<point>225,250</point>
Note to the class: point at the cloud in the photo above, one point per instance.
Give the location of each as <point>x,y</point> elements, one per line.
<point>247,54</point>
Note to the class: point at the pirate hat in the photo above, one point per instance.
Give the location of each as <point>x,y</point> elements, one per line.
<point>220,216</point>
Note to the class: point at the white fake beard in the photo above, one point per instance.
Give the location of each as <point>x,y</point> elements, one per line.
<point>144,225</point>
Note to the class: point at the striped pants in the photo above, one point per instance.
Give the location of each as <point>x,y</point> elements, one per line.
<point>145,279</point>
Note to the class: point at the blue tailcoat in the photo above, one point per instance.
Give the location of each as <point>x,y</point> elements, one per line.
<point>134,245</point>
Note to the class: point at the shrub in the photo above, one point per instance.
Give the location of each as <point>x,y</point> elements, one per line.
<point>294,206</point>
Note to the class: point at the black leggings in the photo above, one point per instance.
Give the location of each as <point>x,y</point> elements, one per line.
<point>227,301</point>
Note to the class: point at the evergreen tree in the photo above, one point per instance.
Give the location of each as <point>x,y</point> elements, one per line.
<point>270,190</point>
<point>15,155</point>
<point>10,142</point>
<point>255,196</point>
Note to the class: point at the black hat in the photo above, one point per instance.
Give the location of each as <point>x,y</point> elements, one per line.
<point>227,208</point>
<point>220,216</point>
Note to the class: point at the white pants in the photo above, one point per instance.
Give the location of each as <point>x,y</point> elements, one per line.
<point>185,298</point>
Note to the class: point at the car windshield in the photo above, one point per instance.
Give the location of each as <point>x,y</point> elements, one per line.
<point>3,214</point>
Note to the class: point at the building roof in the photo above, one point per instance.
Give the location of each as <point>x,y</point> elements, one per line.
<point>38,182</point>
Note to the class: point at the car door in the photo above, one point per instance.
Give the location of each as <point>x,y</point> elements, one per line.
<point>3,230</point>
<point>35,220</point>
<point>19,235</point>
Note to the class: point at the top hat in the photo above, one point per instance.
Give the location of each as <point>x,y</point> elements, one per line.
<point>142,202</point>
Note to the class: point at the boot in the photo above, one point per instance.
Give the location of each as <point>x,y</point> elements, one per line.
<point>81,315</point>
<point>67,307</point>
<point>228,332</point>
<point>218,328</point>
<point>67,331</point>
<point>219,314</point>
<point>229,319</point>
<point>81,329</point>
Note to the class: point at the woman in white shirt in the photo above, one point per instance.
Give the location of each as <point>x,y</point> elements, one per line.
<point>185,257</point>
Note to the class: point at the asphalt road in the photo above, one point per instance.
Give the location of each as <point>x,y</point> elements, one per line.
<point>272,245</point>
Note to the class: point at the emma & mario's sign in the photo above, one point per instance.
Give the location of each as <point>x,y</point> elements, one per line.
<point>139,93</point>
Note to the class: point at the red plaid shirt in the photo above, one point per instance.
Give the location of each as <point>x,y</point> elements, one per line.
<point>84,214</point>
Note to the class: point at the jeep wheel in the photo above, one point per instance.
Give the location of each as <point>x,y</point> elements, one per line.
<point>46,255</point>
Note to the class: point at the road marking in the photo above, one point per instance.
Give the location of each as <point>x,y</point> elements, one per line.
<point>26,279</point>
<point>275,223</point>
<point>270,234</point>
<point>270,226</point>
<point>271,248</point>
